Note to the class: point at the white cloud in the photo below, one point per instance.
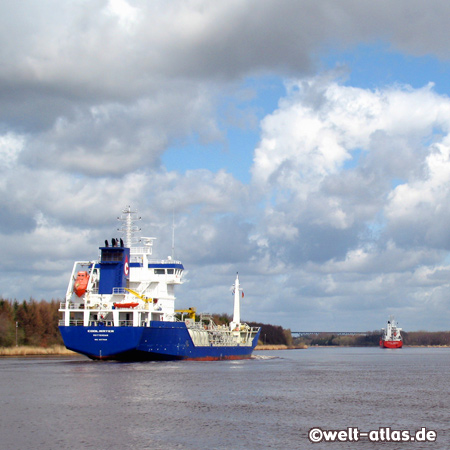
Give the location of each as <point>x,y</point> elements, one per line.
<point>394,132</point>
<point>126,14</point>
<point>10,147</point>
<point>347,207</point>
<point>418,211</point>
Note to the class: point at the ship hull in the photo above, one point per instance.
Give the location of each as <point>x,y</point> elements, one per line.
<point>161,341</point>
<point>391,344</point>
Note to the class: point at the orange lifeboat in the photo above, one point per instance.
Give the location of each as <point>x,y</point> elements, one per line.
<point>81,282</point>
<point>126,305</point>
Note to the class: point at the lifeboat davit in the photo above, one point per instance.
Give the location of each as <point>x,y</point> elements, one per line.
<point>81,282</point>
<point>126,305</point>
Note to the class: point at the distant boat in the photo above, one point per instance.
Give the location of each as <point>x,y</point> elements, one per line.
<point>391,337</point>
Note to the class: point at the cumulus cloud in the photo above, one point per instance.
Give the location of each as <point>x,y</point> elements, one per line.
<point>355,182</point>
<point>10,147</point>
<point>347,205</point>
<point>333,155</point>
<point>418,211</point>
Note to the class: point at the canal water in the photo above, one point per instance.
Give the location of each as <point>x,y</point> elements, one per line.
<point>268,402</point>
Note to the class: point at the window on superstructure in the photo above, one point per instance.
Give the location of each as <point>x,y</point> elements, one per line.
<point>170,271</point>
<point>160,271</point>
<point>111,256</point>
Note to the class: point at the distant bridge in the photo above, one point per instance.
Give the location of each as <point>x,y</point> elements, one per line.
<point>336,333</point>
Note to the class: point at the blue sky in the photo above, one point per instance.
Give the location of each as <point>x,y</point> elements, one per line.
<point>378,64</point>
<point>368,66</point>
<point>239,123</point>
<point>305,145</point>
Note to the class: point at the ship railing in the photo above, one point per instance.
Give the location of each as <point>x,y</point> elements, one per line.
<point>70,305</point>
<point>103,323</point>
<point>140,250</point>
<point>201,325</point>
<point>110,323</point>
<point>163,261</point>
<point>119,291</point>
<point>73,323</point>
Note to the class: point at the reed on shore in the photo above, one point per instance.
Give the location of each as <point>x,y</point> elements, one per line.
<point>280,347</point>
<point>60,350</point>
<point>25,350</point>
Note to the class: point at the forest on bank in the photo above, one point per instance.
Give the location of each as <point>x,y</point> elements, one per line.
<point>372,339</point>
<point>35,323</point>
<point>29,323</point>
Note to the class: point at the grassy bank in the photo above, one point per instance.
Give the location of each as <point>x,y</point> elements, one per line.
<point>58,350</point>
<point>280,347</point>
<point>25,350</point>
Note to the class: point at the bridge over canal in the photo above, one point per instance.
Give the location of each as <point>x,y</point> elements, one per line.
<point>335,333</point>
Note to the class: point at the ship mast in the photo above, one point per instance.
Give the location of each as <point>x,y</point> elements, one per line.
<point>237,304</point>
<point>129,228</point>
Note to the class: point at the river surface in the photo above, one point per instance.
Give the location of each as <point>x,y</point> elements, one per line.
<point>268,402</point>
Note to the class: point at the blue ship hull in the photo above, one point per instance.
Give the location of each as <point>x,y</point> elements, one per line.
<point>161,341</point>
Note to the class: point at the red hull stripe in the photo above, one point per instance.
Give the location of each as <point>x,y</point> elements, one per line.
<point>391,344</point>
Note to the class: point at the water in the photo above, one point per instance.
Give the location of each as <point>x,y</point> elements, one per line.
<point>268,402</point>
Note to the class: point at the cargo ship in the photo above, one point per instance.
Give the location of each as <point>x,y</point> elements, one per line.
<point>122,307</point>
<point>391,336</point>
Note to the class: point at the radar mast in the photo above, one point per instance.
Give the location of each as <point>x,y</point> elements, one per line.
<point>129,228</point>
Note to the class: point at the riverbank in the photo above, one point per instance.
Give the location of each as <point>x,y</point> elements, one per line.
<point>25,350</point>
<point>280,347</point>
<point>59,350</point>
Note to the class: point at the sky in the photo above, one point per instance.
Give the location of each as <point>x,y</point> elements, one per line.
<point>303,144</point>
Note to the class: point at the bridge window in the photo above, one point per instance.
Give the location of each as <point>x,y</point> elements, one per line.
<point>112,255</point>
<point>170,271</point>
<point>160,271</point>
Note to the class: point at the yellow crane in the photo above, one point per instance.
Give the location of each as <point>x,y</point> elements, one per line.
<point>142,297</point>
<point>190,312</point>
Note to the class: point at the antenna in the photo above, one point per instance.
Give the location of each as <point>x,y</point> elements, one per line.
<point>173,234</point>
<point>129,228</point>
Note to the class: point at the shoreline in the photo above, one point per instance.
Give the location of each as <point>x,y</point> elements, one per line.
<point>25,350</point>
<point>60,350</point>
<point>280,347</point>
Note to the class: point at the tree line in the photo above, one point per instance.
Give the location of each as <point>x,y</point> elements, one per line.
<point>372,339</point>
<point>36,324</point>
<point>29,323</point>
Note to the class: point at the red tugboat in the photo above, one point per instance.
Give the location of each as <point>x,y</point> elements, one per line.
<point>391,337</point>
